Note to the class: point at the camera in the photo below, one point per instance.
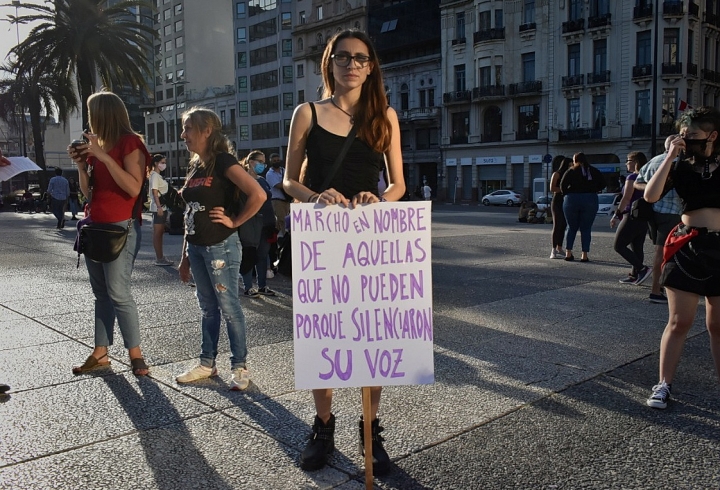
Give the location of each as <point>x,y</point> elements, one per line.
<point>75,143</point>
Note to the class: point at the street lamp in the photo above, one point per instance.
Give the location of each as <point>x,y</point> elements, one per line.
<point>176,124</point>
<point>16,4</point>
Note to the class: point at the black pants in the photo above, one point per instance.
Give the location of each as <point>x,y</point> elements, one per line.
<point>559,223</point>
<point>630,240</point>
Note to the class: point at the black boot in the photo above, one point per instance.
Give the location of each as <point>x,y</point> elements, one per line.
<point>381,460</point>
<point>320,446</point>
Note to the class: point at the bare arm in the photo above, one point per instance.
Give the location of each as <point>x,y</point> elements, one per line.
<point>555,182</point>
<point>628,190</point>
<point>130,176</point>
<point>256,196</point>
<point>655,187</point>
<point>393,161</point>
<point>299,129</point>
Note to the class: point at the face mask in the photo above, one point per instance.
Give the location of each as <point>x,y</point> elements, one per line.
<point>695,147</point>
<point>276,164</point>
<point>259,168</point>
<point>161,166</point>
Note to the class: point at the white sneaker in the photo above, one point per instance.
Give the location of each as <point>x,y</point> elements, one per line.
<point>163,262</point>
<point>196,373</point>
<point>269,274</point>
<point>240,379</point>
<point>557,255</point>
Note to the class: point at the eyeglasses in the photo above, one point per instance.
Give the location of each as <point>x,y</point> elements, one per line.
<point>342,59</point>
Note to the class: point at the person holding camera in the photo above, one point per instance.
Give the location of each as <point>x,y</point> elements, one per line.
<point>158,186</point>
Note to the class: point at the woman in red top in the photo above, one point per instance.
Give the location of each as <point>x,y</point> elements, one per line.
<point>111,167</point>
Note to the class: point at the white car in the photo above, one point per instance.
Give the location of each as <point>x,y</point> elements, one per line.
<point>509,198</point>
<point>544,202</point>
<point>608,203</point>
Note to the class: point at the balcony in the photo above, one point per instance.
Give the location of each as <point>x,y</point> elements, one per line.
<point>710,75</point>
<point>601,77</point>
<point>601,20</point>
<point>573,81</point>
<point>420,114</point>
<point>672,69</point>
<point>642,74</point>
<point>711,19</point>
<point>693,10</point>
<point>491,138</point>
<point>456,97</point>
<point>692,70</point>
<point>580,134</point>
<point>497,33</point>
<point>643,13</point>
<point>526,88</point>
<point>573,26</point>
<point>526,135</point>
<point>666,129</point>
<point>459,41</point>
<point>530,26</point>
<point>641,130</point>
<point>488,91</point>
<point>673,9</point>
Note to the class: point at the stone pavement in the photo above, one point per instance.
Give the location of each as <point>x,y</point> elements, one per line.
<point>542,370</point>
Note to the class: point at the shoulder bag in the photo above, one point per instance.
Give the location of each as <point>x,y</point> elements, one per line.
<point>642,210</point>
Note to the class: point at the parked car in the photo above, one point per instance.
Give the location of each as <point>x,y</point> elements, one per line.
<point>544,202</point>
<point>509,198</point>
<point>608,203</point>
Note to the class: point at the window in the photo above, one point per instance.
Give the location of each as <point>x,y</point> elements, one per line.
<point>460,127</point>
<point>287,47</point>
<point>669,104</point>
<point>575,12</point>
<point>170,132</point>
<point>169,77</point>
<point>158,48</point>
<point>670,45</point>
<point>168,61</point>
<point>167,29</point>
<point>167,14</point>
<point>528,67</point>
<point>404,97</point>
<point>301,18</point>
<point>484,21</point>
<point>243,108</point>
<point>599,7</point>
<point>600,56</point>
<point>422,96</point>
<point>431,97</point>
<point>484,77</point>
<point>528,121</point>
<point>180,88</point>
<point>492,124</point>
<point>642,107</point>
<point>169,93</point>
<point>459,78</point>
<point>426,138</point>
<point>260,6</point>
<point>179,58</point>
<point>223,119</point>
<point>244,132</point>
<point>319,13</point>
<point>242,84</point>
<point>460,25</point>
<point>288,101</point>
<point>643,55</point>
<point>286,20</point>
<point>151,133</point>
<point>389,25</point>
<point>300,71</point>
<point>158,80</point>
<point>691,47</point>
<point>264,131</point>
<point>178,9</point>
<point>286,124</point>
<point>265,80</point>
<point>232,118</point>
<point>498,18</point>
<point>498,75</point>
<point>300,44</point>
<point>287,74</point>
<point>240,10</point>
<point>599,111</point>
<point>262,30</point>
<point>573,60</point>
<point>573,113</point>
<point>241,35</point>
<point>263,55</point>
<point>242,59</point>
<point>301,96</point>
<point>161,132</point>
<point>179,42</point>
<point>159,96</point>
<point>178,26</point>
<point>529,11</point>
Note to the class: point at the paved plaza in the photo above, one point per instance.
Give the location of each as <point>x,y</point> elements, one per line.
<point>542,369</point>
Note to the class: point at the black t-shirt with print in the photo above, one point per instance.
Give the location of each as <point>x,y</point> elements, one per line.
<point>202,193</point>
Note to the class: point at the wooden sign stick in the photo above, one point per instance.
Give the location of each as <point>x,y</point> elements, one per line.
<point>367,436</point>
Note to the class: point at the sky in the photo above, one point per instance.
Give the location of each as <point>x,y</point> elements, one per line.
<point>8,33</point>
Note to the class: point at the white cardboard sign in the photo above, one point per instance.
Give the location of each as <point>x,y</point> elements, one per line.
<point>362,295</point>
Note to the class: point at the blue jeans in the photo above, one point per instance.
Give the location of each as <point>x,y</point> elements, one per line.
<point>580,210</point>
<point>215,269</point>
<point>57,206</point>
<point>261,265</point>
<point>111,286</point>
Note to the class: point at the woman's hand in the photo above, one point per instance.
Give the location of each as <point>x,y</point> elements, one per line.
<point>613,222</point>
<point>331,196</point>
<point>77,155</point>
<point>92,148</point>
<point>364,198</point>
<point>217,215</point>
<point>677,145</point>
<point>184,269</point>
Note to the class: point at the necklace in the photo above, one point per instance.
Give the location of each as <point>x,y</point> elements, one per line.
<point>352,118</point>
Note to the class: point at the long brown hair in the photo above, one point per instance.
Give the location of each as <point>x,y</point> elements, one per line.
<point>203,118</point>
<point>108,118</point>
<point>371,114</point>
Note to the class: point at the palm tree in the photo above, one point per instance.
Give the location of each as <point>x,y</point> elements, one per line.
<point>38,93</point>
<point>83,39</point>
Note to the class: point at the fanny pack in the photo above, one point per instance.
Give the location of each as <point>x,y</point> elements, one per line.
<point>100,242</point>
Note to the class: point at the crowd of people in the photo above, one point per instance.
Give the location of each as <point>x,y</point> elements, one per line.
<point>235,210</point>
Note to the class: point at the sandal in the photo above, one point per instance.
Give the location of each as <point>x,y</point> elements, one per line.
<point>138,366</point>
<point>90,364</point>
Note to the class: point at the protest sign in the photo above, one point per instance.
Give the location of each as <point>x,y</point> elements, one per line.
<point>362,295</point>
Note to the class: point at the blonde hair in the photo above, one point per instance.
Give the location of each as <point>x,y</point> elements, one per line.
<point>108,118</point>
<point>202,118</point>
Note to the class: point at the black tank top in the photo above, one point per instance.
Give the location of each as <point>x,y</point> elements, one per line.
<point>359,170</point>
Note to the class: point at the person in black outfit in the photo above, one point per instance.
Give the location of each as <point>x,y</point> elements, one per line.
<point>354,95</point>
<point>580,186</point>
<point>561,164</point>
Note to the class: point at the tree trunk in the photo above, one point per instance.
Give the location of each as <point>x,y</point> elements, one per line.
<point>86,86</point>
<point>37,131</point>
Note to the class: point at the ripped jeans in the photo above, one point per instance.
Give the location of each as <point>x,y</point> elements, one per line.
<point>215,269</point>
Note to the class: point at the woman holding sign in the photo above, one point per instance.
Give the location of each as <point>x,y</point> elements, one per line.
<point>354,110</point>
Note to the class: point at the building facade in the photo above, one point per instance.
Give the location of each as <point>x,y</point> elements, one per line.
<point>527,80</point>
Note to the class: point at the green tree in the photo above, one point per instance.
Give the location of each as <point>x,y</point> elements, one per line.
<point>87,39</point>
<point>41,95</point>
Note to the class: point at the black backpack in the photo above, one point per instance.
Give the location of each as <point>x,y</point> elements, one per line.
<point>172,200</point>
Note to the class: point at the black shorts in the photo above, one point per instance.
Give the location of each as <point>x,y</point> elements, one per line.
<point>695,268</point>
<point>660,225</point>
<point>159,220</point>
